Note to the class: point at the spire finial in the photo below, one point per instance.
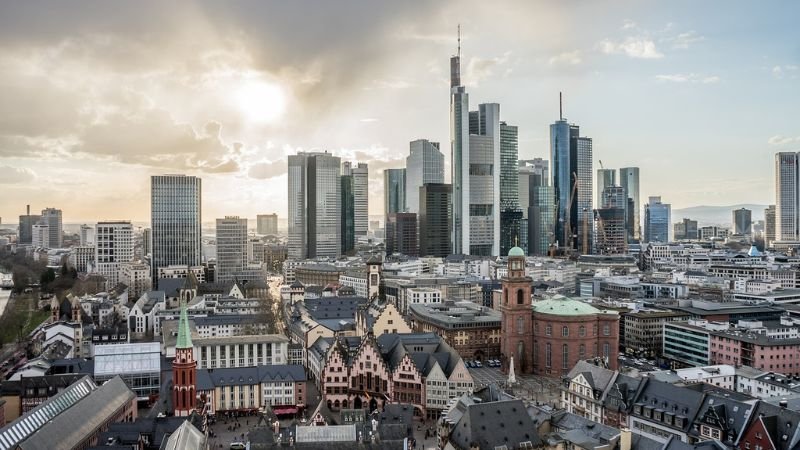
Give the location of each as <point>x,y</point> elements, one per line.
<point>560,107</point>
<point>459,41</point>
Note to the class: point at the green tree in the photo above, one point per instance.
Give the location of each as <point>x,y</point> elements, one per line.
<point>47,277</point>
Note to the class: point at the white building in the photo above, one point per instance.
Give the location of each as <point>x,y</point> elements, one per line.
<point>723,376</point>
<point>52,218</point>
<point>241,351</point>
<point>87,235</point>
<point>142,316</point>
<point>40,235</point>
<point>82,257</point>
<point>231,248</point>
<point>419,295</point>
<point>137,277</point>
<point>113,246</point>
<point>182,272</point>
<point>357,281</point>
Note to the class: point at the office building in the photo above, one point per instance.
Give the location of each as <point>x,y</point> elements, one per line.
<point>86,235</point>
<point>511,216</point>
<point>231,248</point>
<point>459,153</point>
<point>686,230</point>
<point>435,221</point>
<point>742,221</point>
<point>424,164</point>
<point>629,179</point>
<point>360,174</point>
<point>147,241</point>
<point>401,234</point>
<point>542,220</point>
<point>348,219</point>
<point>656,221</point>
<point>605,178</point>
<point>40,235</point>
<point>394,191</point>
<point>769,225</point>
<point>175,213</point>
<point>26,224</point>
<point>267,224</point>
<point>137,277</point>
<point>113,247</point>
<point>787,197</point>
<point>315,205</point>
<point>532,175</point>
<point>52,218</point>
<point>612,234</point>
<point>571,156</point>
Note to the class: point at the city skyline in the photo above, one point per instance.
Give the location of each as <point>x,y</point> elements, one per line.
<point>95,108</point>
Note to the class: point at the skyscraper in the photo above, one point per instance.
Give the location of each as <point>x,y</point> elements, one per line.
<point>267,224</point>
<point>147,241</point>
<point>231,248</point>
<point>435,221</point>
<point>394,191</point>
<point>612,236</point>
<point>40,235</point>
<point>175,215</point>
<point>742,221</point>
<point>686,229</point>
<point>532,174</point>
<point>460,157</point>
<point>629,180</point>
<point>571,156</point>
<point>769,226</point>
<point>52,218</point>
<point>401,234</point>
<point>605,178</point>
<point>26,224</point>
<point>113,247</point>
<point>511,215</point>
<point>483,176</point>
<point>315,204</point>
<point>348,228</point>
<point>360,174</point>
<point>657,221</point>
<point>542,220</point>
<point>787,197</point>
<point>424,164</point>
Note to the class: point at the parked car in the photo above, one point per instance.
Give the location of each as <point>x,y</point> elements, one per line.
<point>478,364</point>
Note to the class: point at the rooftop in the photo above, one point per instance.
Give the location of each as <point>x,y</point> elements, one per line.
<point>565,306</point>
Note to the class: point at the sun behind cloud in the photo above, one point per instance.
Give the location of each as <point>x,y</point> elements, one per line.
<point>261,101</point>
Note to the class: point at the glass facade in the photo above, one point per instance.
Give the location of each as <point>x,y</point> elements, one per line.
<point>394,191</point>
<point>657,222</point>
<point>424,164</point>
<point>314,205</point>
<point>629,180</point>
<point>175,212</point>
<point>231,248</point>
<point>541,220</point>
<point>435,220</point>
<point>348,214</point>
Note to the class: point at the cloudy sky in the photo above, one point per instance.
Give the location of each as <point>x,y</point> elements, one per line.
<point>97,96</point>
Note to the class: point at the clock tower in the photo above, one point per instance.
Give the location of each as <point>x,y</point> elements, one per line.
<point>517,315</point>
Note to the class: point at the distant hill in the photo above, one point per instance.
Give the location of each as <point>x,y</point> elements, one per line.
<point>716,215</point>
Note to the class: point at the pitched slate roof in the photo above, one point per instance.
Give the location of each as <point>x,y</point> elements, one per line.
<point>682,402</point>
<point>598,377</point>
<point>489,425</point>
<point>726,413</point>
<point>779,422</point>
<point>208,379</point>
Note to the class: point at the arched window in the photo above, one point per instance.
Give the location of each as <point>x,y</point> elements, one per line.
<point>564,357</point>
<point>582,331</point>
<point>520,297</point>
<point>565,331</point>
<point>183,377</point>
<point>582,352</point>
<point>505,296</point>
<point>520,325</point>
<point>548,330</point>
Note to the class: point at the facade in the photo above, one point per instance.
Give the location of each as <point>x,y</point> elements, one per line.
<point>401,234</point>
<point>318,274</point>
<point>26,224</point>
<point>584,390</point>
<point>52,218</point>
<point>250,389</point>
<point>657,221</point>
<point>629,180</point>
<point>360,196</point>
<point>231,248</point>
<point>394,191</point>
<point>147,242</point>
<point>515,309</point>
<point>435,219</point>
<point>137,277</point>
<point>139,366</point>
<point>348,220</point>
<point>742,221</point>
<point>175,214</point>
<point>787,196</point>
<point>511,223</point>
<point>473,331</point>
<point>241,351</point>
<point>86,235</point>
<point>532,175</point>
<point>605,178</point>
<point>612,230</point>
<point>82,256</point>
<point>40,235</point>
<point>459,163</point>
<point>686,229</point>
<point>686,344</point>
<point>315,205</point>
<point>542,220</point>
<point>113,248</point>
<point>644,330</point>
<point>267,224</point>
<point>769,225</point>
<point>424,164</point>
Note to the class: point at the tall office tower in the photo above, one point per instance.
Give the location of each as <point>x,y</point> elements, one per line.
<point>394,191</point>
<point>26,224</point>
<point>147,241</point>
<point>532,174</point>
<point>742,221</point>
<point>483,176</point>
<point>612,235</point>
<point>86,234</point>
<point>542,219</point>
<point>424,164</point>
<point>231,248</point>
<point>686,229</point>
<point>629,179</point>
<point>360,174</point>
<point>656,221</point>
<point>511,215</point>
<point>459,153</point>
<point>605,178</point>
<point>348,214</point>
<point>435,219</point>
<point>401,234</point>
<point>113,247</point>
<point>315,205</point>
<point>267,224</point>
<point>769,225</point>
<point>52,218</point>
<point>40,235</point>
<point>571,156</point>
<point>787,197</point>
<point>175,214</point>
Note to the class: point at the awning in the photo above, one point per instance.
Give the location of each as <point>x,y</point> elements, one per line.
<point>285,410</point>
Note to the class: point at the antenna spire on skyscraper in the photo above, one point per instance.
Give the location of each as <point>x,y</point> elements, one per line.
<point>459,41</point>
<point>560,107</point>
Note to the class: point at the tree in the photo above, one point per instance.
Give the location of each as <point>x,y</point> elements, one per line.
<point>47,277</point>
<point>64,269</point>
<point>20,280</point>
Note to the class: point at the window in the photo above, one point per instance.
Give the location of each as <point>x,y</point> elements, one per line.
<point>548,330</point>
<point>606,330</point>
<point>565,331</point>
<point>520,297</point>
<point>582,331</point>
<point>582,352</point>
<point>565,357</point>
<point>548,357</point>
<point>520,325</point>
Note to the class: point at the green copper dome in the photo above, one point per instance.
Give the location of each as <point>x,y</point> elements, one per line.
<point>516,251</point>
<point>565,306</point>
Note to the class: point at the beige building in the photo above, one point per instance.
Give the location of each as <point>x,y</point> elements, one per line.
<point>380,317</point>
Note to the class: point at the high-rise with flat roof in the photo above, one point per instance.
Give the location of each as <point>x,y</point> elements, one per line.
<point>657,221</point>
<point>742,221</point>
<point>435,221</point>
<point>401,234</point>
<point>769,225</point>
<point>26,224</point>
<point>629,180</point>
<point>113,247</point>
<point>267,224</point>
<point>315,204</point>
<point>348,214</point>
<point>231,248</point>
<point>511,215</point>
<point>360,174</point>
<point>175,214</point>
<point>52,218</point>
<point>394,191</point>
<point>424,164</point>
<point>787,196</point>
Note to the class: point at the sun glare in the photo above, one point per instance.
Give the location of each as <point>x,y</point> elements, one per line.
<point>261,101</point>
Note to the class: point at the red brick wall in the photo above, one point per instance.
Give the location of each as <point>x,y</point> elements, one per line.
<point>594,337</point>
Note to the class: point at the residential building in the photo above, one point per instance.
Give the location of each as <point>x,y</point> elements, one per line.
<point>394,191</point>
<point>656,221</point>
<point>175,214</point>
<point>401,234</point>
<point>137,277</point>
<point>742,221</point>
<point>584,389</point>
<point>315,205</point>
<point>435,219</point>
<point>231,248</point>
<point>424,164</point>
<point>267,224</point>
<point>52,218</point>
<point>113,248</point>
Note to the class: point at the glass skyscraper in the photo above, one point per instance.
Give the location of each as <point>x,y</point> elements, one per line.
<point>657,221</point>
<point>511,216</point>
<point>629,180</point>
<point>435,210</point>
<point>394,191</point>
<point>175,214</point>
<point>787,197</point>
<point>348,214</point>
<point>231,248</point>
<point>605,178</point>
<point>460,163</point>
<point>424,164</point>
<point>314,205</point>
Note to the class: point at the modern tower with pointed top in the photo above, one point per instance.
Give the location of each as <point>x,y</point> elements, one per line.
<point>184,369</point>
<point>459,151</point>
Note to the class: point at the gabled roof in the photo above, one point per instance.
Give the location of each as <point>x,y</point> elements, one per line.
<point>599,378</point>
<point>779,422</point>
<point>490,425</point>
<point>729,414</point>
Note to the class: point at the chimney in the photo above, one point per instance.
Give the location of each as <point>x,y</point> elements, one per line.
<point>624,438</point>
<point>784,403</point>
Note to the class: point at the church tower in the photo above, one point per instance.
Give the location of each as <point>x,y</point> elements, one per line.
<point>517,314</point>
<point>374,266</point>
<point>76,309</point>
<point>184,369</point>
<point>55,309</point>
